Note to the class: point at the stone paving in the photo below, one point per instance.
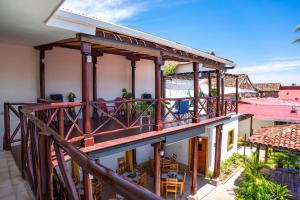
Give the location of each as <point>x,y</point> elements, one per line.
<point>12,185</point>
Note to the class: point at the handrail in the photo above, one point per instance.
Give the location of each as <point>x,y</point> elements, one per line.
<point>121,185</point>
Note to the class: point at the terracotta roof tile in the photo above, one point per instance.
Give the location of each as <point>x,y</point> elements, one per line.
<point>282,136</point>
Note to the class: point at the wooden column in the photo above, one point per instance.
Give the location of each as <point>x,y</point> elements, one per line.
<point>158,123</point>
<point>157,147</point>
<point>61,123</point>
<point>251,126</point>
<point>45,168</point>
<point>133,68</point>
<point>42,74</point>
<point>6,139</point>
<point>196,118</point>
<point>222,94</point>
<point>218,93</point>
<point>86,72</point>
<point>218,146</point>
<point>237,94</point>
<point>209,84</point>
<point>95,95</point>
<point>87,186</point>
<point>194,186</point>
<point>266,154</point>
<point>257,152</point>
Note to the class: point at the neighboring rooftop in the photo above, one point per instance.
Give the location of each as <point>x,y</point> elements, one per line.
<point>267,87</point>
<point>282,136</point>
<point>290,93</point>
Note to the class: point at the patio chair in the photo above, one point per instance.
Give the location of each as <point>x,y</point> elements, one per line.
<point>98,190</point>
<point>181,182</point>
<point>102,106</point>
<point>182,108</point>
<point>171,186</point>
<point>143,179</point>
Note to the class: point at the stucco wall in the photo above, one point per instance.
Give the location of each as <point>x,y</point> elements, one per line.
<point>18,77</point>
<point>244,126</point>
<point>181,149</point>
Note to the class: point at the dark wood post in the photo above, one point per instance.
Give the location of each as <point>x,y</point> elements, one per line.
<point>133,68</point>
<point>194,186</point>
<point>251,126</point>
<point>266,154</point>
<point>23,145</point>
<point>87,186</point>
<point>45,166</point>
<point>95,95</point>
<point>196,118</point>
<point>157,147</point>
<point>222,93</point>
<point>209,84</point>
<point>218,92</point>
<point>61,124</point>
<point>86,71</point>
<point>237,94</point>
<point>257,152</point>
<point>6,139</point>
<point>158,123</point>
<point>218,146</point>
<point>42,74</point>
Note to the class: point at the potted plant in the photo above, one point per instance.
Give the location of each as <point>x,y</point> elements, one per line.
<point>125,94</point>
<point>71,97</point>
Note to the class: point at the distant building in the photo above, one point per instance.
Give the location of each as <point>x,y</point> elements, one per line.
<point>290,93</point>
<point>267,89</point>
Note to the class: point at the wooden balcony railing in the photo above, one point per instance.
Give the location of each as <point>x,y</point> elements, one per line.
<point>43,148</point>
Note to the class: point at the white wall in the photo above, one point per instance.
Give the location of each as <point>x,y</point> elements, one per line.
<point>112,160</point>
<point>225,153</point>
<point>244,126</point>
<point>144,154</point>
<point>18,77</point>
<point>181,149</point>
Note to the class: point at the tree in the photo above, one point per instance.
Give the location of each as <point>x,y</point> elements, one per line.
<point>297,30</point>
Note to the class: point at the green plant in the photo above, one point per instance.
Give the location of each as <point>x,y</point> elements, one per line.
<point>213,92</point>
<point>71,95</point>
<point>169,69</point>
<point>297,30</point>
<point>126,94</point>
<point>210,174</point>
<point>143,105</point>
<point>231,163</point>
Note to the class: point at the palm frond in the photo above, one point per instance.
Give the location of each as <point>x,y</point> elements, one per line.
<point>297,40</point>
<point>298,28</point>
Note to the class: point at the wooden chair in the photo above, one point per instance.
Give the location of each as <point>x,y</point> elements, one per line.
<point>181,183</point>
<point>174,158</point>
<point>98,190</point>
<point>143,180</point>
<point>174,167</point>
<point>171,186</point>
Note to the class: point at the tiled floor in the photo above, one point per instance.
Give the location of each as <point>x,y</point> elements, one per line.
<point>12,185</point>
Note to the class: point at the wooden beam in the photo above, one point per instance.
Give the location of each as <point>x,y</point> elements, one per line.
<point>218,148</point>
<point>158,122</point>
<point>209,84</point>
<point>194,186</point>
<point>196,118</point>
<point>86,71</point>
<point>87,185</point>
<point>222,95</point>
<point>157,147</point>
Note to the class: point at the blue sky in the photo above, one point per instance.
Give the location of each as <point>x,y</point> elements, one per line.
<point>256,34</point>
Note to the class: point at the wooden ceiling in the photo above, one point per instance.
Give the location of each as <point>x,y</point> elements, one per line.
<point>132,48</point>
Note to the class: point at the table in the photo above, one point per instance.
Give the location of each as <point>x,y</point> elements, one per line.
<point>132,176</point>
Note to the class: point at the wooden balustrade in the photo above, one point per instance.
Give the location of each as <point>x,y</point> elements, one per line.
<point>43,147</point>
<point>230,106</point>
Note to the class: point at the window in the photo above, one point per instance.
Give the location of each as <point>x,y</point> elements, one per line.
<point>230,139</point>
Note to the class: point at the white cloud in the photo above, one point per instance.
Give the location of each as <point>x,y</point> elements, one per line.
<point>274,65</point>
<point>108,10</point>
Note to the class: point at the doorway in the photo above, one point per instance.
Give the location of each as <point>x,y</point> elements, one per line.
<point>202,156</point>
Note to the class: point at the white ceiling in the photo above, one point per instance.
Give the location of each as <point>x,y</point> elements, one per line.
<point>24,22</point>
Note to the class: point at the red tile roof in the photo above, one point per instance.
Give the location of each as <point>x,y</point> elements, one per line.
<point>290,93</point>
<point>283,136</point>
<point>267,87</point>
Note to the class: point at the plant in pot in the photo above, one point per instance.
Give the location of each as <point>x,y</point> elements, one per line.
<point>71,97</point>
<point>125,94</point>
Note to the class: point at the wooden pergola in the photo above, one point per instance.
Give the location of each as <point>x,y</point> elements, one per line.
<point>135,49</point>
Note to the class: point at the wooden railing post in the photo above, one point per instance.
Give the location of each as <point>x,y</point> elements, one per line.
<point>61,124</point>
<point>222,93</point>
<point>194,186</point>
<point>218,148</point>
<point>6,137</point>
<point>237,94</point>
<point>87,185</point>
<point>86,72</point>
<point>218,93</point>
<point>157,147</point>
<point>158,122</point>
<point>196,118</point>
<point>23,145</point>
<point>45,167</point>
